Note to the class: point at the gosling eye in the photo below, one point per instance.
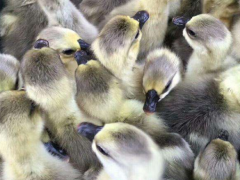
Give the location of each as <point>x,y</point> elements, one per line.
<point>68,52</point>
<point>32,108</point>
<point>167,86</point>
<point>137,35</point>
<point>191,32</point>
<point>101,150</point>
<point>17,84</point>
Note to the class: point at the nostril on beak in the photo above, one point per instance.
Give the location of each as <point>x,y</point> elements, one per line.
<point>84,45</point>
<point>180,21</point>
<point>81,57</point>
<point>142,17</point>
<point>40,43</point>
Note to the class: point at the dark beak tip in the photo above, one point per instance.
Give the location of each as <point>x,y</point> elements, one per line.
<point>142,17</point>
<point>84,45</point>
<point>81,57</point>
<point>88,130</point>
<point>148,109</point>
<point>180,21</point>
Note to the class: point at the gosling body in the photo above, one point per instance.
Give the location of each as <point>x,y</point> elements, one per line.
<point>24,155</point>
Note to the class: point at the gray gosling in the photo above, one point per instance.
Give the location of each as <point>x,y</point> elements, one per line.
<point>127,153</point>
<point>198,109</point>
<point>24,155</point>
<point>64,41</point>
<point>211,42</point>
<point>101,92</point>
<point>155,29</point>
<point>217,161</point>
<point>162,72</point>
<point>50,86</point>
<point>21,21</point>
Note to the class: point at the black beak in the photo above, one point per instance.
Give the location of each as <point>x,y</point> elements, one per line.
<point>223,135</point>
<point>56,150</point>
<point>142,17</point>
<point>152,99</point>
<point>180,21</point>
<point>89,130</point>
<point>84,45</point>
<point>40,43</point>
<point>81,57</point>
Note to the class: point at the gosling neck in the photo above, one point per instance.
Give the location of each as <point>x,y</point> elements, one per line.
<point>149,171</point>
<point>209,60</point>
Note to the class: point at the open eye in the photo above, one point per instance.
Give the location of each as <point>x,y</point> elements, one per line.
<point>191,32</point>
<point>101,150</point>
<point>68,52</point>
<point>137,35</point>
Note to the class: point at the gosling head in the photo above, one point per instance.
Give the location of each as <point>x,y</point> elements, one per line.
<point>64,41</point>
<point>206,34</point>
<point>162,72</point>
<point>117,46</point>
<point>46,79</point>
<point>126,152</point>
<point>20,124</point>
<point>219,155</point>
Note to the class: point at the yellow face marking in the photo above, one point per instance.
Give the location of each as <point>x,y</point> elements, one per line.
<point>72,40</point>
<point>134,24</point>
<point>157,86</point>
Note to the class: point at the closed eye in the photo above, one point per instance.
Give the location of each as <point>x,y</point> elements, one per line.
<point>32,108</point>
<point>68,52</point>
<point>101,150</point>
<point>167,86</point>
<point>17,84</point>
